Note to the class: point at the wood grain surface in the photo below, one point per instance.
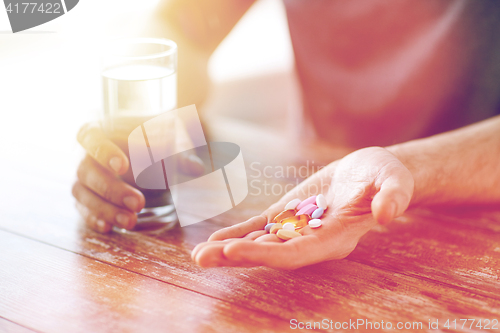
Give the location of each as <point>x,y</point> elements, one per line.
<point>58,276</point>
<point>7,326</point>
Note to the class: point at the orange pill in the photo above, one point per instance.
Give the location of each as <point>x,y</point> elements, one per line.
<point>275,228</point>
<point>284,214</point>
<point>299,221</point>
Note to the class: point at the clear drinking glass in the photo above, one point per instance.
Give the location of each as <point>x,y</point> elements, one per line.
<point>139,80</point>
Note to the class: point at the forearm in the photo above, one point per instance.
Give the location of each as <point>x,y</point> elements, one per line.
<point>192,78</point>
<point>203,23</point>
<point>198,27</point>
<point>461,166</point>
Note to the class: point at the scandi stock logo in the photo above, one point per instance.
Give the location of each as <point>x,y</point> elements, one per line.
<point>26,14</point>
<point>156,148</point>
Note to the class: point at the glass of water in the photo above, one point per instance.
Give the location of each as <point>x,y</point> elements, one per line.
<point>139,79</point>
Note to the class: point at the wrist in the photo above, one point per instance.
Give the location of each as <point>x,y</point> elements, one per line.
<point>412,159</point>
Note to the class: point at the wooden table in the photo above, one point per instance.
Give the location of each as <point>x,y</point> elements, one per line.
<point>58,276</point>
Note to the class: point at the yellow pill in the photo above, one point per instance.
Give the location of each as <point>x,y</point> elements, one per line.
<point>284,214</point>
<point>287,234</point>
<point>299,221</point>
<point>275,228</point>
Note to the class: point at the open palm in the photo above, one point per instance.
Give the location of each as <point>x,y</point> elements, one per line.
<point>367,186</point>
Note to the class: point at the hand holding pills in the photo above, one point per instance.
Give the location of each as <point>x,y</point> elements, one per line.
<point>293,221</point>
<point>368,186</point>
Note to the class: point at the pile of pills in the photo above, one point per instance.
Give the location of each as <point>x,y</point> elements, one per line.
<point>298,214</point>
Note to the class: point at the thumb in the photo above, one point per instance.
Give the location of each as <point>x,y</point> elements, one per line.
<point>394,195</point>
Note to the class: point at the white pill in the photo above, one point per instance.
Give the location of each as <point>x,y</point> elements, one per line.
<point>321,201</point>
<point>317,213</point>
<point>292,204</point>
<point>289,226</point>
<point>315,223</point>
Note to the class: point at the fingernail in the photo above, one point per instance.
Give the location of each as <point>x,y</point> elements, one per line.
<point>131,203</point>
<point>101,225</point>
<point>122,220</point>
<point>116,164</point>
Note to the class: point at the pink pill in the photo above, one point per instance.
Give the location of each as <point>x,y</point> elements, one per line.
<point>306,202</point>
<point>307,209</point>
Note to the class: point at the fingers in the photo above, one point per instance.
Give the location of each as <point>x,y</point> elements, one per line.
<point>92,221</point>
<point>211,255</point>
<point>292,254</point>
<point>240,229</point>
<point>251,236</point>
<point>102,210</point>
<point>301,191</point>
<point>332,241</point>
<point>103,150</point>
<point>394,196</point>
<point>244,228</point>
<point>110,188</point>
<point>269,238</point>
<point>254,234</point>
<point>267,250</point>
<point>208,254</point>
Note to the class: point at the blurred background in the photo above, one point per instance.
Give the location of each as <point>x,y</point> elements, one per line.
<point>50,78</point>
